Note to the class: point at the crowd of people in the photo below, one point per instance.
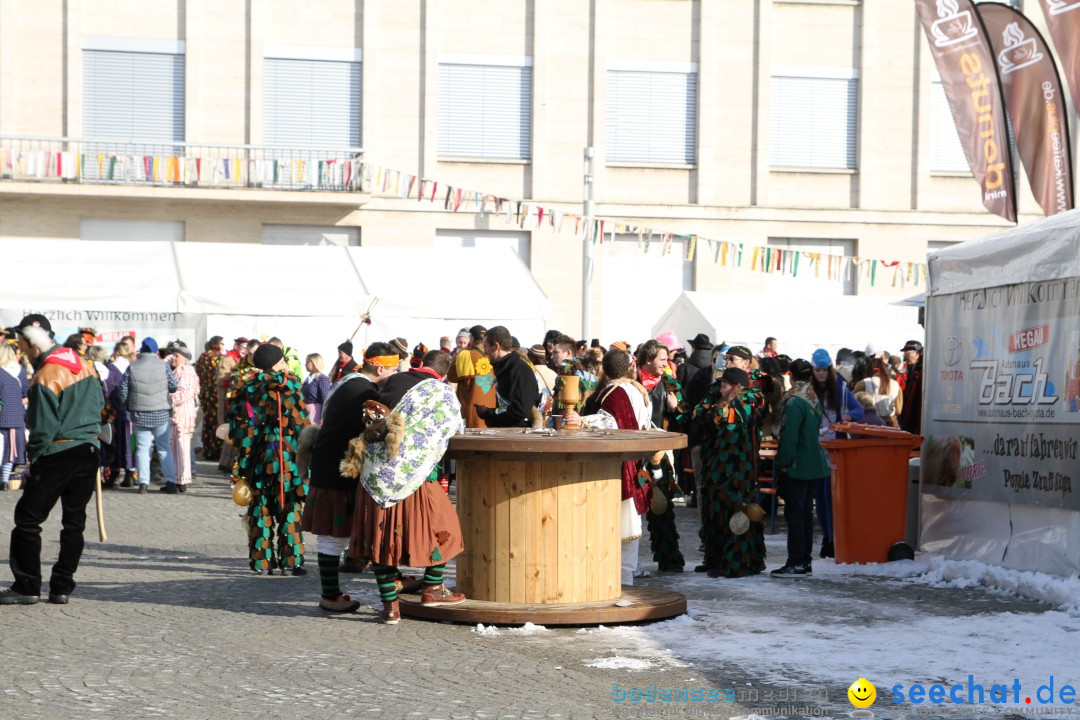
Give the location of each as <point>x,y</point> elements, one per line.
<point>354,456</point>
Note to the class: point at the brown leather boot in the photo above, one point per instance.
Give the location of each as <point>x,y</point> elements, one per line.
<point>391,614</point>
<point>435,595</point>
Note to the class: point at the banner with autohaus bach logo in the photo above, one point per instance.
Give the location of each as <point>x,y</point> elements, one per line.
<point>1003,423</point>
<point>1033,97</point>
<point>969,76</point>
<point>1063,20</point>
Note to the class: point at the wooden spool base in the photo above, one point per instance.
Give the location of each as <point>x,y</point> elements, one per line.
<point>649,604</point>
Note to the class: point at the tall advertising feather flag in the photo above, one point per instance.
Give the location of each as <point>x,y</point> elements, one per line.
<point>969,76</point>
<point>1063,20</point>
<point>1033,97</point>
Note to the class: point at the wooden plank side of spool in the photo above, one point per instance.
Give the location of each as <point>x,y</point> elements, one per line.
<point>548,565</point>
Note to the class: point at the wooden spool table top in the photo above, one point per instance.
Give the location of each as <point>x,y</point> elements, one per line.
<point>566,445</point>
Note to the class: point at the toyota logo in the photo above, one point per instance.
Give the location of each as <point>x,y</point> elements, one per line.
<point>954,350</point>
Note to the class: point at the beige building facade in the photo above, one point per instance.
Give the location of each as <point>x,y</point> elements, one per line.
<point>812,125</point>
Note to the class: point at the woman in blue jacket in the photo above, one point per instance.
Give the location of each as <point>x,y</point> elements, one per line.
<point>840,406</point>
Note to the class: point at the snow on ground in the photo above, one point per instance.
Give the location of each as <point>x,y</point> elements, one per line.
<point>852,621</point>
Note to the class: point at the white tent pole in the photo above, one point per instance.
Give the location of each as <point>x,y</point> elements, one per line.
<point>587,252</point>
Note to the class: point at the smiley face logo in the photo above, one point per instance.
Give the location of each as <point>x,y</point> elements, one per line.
<point>862,693</point>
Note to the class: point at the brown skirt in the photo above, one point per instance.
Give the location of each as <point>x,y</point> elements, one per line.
<point>329,512</point>
<point>420,531</point>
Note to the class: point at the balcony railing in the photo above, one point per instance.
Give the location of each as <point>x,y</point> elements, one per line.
<point>179,164</point>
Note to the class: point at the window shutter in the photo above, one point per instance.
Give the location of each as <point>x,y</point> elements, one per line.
<point>312,103</point>
<point>651,117</point>
<point>814,122</point>
<point>133,96</point>
<point>310,235</point>
<point>519,242</point>
<point>95,229</point>
<point>485,111</point>
<point>946,152</point>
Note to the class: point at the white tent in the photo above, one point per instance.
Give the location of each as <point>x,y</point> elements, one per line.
<point>311,297</point>
<point>1001,400</point>
<point>828,322</point>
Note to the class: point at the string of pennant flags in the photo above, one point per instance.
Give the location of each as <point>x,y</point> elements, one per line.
<point>726,253</point>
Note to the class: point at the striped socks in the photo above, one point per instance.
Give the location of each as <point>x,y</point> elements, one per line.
<point>328,576</point>
<point>433,575</point>
<point>386,579</point>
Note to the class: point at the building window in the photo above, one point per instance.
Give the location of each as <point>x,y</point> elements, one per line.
<point>310,235</point>
<point>519,242</point>
<point>814,118</point>
<point>133,90</point>
<point>652,114</point>
<point>312,102</point>
<point>485,107</point>
<point>815,281</point>
<point>134,230</point>
<point>946,152</point>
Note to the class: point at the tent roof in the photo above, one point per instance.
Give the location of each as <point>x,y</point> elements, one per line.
<point>278,280</point>
<point>74,275</point>
<point>413,284</point>
<point>1047,249</point>
<point>828,322</point>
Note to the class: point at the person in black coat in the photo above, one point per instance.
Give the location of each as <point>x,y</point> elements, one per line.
<point>516,391</point>
<point>699,359</point>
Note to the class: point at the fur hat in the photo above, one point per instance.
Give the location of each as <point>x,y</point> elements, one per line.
<point>178,348</point>
<point>267,356</point>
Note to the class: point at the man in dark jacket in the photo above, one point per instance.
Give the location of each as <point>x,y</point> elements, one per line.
<point>699,359</point>
<point>516,391</point>
<point>911,415</point>
<point>63,417</point>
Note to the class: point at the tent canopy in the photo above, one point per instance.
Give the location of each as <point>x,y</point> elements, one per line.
<point>1047,249</point>
<point>312,297</point>
<point>831,323</point>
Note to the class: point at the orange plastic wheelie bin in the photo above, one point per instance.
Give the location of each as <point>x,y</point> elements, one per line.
<point>869,490</point>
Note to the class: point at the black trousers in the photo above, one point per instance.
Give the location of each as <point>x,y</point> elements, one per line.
<point>799,513</point>
<point>67,476</point>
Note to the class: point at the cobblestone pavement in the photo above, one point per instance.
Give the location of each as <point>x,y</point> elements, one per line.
<point>167,621</point>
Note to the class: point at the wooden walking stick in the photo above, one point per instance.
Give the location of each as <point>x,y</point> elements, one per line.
<point>100,511</point>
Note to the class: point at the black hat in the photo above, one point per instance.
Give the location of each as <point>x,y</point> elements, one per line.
<point>35,320</point>
<point>595,343</point>
<point>701,341</point>
<point>346,347</point>
<point>740,351</point>
<point>912,345</point>
<point>178,348</point>
<point>735,376</point>
<point>801,370</point>
<point>267,356</point>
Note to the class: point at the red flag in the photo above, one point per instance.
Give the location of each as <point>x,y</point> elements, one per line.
<point>969,76</point>
<point>1036,106</point>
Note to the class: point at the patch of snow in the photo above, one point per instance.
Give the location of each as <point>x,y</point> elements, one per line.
<point>528,629</point>
<point>486,630</point>
<point>620,663</point>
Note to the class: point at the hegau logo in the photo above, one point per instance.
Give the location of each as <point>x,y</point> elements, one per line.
<point>1019,52</point>
<point>1056,7</point>
<point>952,26</point>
